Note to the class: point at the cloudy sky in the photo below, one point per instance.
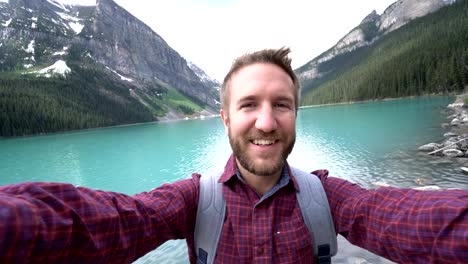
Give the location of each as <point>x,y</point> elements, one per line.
<point>211,33</point>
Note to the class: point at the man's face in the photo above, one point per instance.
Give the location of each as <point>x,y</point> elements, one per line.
<point>260,119</point>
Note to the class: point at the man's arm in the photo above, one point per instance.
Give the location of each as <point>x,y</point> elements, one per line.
<point>59,223</point>
<point>403,225</point>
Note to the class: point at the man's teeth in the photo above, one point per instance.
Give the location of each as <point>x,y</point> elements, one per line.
<point>263,142</point>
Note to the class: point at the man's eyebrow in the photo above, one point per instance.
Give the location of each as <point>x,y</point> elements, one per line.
<point>284,98</point>
<point>254,97</point>
<point>246,98</point>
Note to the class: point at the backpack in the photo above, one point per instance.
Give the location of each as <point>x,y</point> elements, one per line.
<point>312,202</point>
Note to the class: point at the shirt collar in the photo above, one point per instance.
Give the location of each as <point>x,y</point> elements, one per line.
<point>230,172</point>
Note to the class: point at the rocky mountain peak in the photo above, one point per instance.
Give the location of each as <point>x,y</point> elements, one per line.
<point>109,7</point>
<point>127,45</point>
<point>37,5</point>
<point>372,17</point>
<point>403,11</point>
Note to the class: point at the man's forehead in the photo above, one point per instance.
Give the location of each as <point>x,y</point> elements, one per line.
<point>258,74</point>
<point>256,69</point>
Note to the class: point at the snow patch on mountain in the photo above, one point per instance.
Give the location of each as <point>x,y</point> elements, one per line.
<point>59,67</point>
<point>77,27</point>
<point>30,48</point>
<point>34,23</point>
<point>121,76</point>
<point>73,22</point>
<point>61,53</point>
<point>59,5</point>
<point>7,23</point>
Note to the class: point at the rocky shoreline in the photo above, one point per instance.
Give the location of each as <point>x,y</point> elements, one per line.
<point>455,144</point>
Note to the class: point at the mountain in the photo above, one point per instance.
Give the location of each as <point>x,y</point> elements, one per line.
<point>129,71</point>
<point>204,77</point>
<point>351,48</point>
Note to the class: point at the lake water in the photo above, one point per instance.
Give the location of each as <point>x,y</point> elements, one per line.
<point>364,143</point>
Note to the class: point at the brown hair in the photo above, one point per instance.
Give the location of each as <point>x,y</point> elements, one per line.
<point>278,57</point>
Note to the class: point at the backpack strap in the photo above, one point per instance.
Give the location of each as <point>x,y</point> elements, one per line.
<point>312,202</point>
<point>315,210</point>
<point>210,218</point>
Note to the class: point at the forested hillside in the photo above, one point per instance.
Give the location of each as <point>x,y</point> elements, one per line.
<point>86,98</point>
<point>32,105</point>
<point>428,55</point>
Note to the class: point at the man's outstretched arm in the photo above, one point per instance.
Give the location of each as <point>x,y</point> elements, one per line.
<point>59,223</point>
<point>403,225</point>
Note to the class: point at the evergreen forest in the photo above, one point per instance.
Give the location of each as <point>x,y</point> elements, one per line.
<point>32,104</point>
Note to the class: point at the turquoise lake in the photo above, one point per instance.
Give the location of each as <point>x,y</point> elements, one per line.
<point>365,143</point>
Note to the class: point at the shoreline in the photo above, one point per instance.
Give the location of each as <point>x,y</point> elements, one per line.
<point>455,142</point>
<point>200,116</point>
<point>375,100</point>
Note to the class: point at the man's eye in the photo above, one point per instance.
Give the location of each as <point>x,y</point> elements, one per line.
<point>283,105</point>
<point>247,105</point>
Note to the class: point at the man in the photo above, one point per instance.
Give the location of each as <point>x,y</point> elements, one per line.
<point>58,223</point>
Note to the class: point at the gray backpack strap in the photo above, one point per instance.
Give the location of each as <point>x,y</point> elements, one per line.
<point>312,201</point>
<point>315,210</point>
<point>210,218</point>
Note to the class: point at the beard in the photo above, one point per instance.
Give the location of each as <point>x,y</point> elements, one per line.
<point>240,149</point>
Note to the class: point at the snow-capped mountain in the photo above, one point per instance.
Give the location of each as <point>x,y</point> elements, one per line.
<point>203,76</point>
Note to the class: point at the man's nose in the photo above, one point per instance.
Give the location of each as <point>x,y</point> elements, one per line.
<point>266,120</point>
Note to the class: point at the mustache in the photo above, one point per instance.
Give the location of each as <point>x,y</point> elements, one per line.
<point>263,135</point>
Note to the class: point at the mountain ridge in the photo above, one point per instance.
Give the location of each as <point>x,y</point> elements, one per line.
<point>371,28</point>
<point>428,55</point>
<point>116,38</point>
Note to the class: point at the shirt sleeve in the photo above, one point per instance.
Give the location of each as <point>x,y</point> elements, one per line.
<point>60,223</point>
<point>403,225</point>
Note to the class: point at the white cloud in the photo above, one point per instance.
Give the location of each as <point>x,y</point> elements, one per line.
<point>212,33</point>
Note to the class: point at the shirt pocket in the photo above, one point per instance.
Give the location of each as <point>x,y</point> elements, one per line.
<point>293,243</point>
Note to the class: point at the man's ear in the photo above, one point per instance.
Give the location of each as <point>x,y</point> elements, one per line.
<point>225,118</point>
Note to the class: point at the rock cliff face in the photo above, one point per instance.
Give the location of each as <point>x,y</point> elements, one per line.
<point>403,11</point>
<point>35,33</point>
<point>127,45</point>
<point>372,27</point>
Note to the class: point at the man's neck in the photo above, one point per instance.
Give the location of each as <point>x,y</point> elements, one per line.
<point>261,184</point>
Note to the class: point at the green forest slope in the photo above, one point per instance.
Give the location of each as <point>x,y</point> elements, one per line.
<point>86,98</point>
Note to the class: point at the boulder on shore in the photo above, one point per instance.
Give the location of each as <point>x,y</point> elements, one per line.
<point>453,153</point>
<point>429,147</point>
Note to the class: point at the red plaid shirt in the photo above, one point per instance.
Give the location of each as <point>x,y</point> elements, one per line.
<point>59,223</point>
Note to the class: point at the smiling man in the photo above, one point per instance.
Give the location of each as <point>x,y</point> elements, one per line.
<point>262,217</point>
<point>259,109</point>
